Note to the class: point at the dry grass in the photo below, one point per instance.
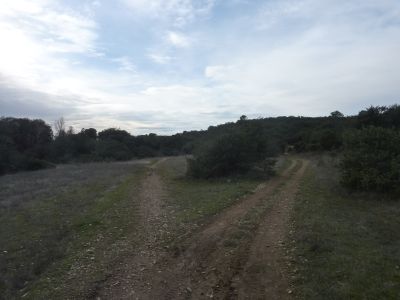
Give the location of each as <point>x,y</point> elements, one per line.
<point>61,223</point>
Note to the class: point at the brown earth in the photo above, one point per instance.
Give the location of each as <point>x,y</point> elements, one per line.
<point>127,280</point>
<point>237,255</point>
<point>265,274</point>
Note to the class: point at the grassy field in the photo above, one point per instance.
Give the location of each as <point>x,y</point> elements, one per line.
<point>60,228</point>
<point>347,245</point>
<point>197,200</point>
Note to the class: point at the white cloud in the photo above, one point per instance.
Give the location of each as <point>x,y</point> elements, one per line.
<point>316,72</point>
<point>39,38</point>
<point>289,57</point>
<point>57,30</point>
<point>159,58</point>
<point>179,12</point>
<point>220,72</point>
<point>36,34</point>
<point>125,64</point>
<point>276,11</point>
<point>178,39</point>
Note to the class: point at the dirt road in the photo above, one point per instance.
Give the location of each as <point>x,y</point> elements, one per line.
<point>238,255</point>
<point>128,279</point>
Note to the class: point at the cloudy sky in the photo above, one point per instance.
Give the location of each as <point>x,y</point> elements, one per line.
<point>166,66</point>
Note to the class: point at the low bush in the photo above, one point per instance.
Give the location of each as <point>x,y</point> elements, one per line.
<point>32,164</point>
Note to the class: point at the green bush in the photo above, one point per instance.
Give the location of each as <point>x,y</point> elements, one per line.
<point>224,157</point>
<point>371,159</point>
<point>230,154</point>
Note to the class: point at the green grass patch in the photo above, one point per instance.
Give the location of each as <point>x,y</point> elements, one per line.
<point>59,247</point>
<point>347,246</point>
<point>197,199</point>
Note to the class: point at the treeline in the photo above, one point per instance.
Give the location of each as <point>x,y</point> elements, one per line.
<point>31,144</point>
<point>27,145</point>
<point>368,143</point>
<point>114,144</point>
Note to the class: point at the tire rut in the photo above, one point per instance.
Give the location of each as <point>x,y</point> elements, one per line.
<point>220,272</point>
<point>265,274</point>
<point>127,280</point>
<point>205,268</point>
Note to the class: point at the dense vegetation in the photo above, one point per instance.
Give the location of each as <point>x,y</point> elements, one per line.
<point>371,160</point>
<point>238,147</point>
<point>368,141</point>
<point>24,144</point>
<point>371,153</point>
<point>31,144</point>
<point>235,152</point>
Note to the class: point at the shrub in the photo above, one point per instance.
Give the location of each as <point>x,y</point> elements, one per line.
<point>32,164</point>
<point>371,159</point>
<point>234,153</point>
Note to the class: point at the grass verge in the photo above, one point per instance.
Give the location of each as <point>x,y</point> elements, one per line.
<point>60,247</point>
<point>346,246</point>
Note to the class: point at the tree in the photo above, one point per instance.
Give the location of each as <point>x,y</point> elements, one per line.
<point>337,114</point>
<point>114,134</point>
<point>59,127</point>
<point>24,144</point>
<point>90,133</point>
<point>71,130</point>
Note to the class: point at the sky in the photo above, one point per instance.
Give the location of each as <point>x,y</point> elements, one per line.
<point>166,66</point>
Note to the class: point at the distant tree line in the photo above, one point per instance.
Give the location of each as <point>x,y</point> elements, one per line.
<point>32,144</point>
<point>368,143</point>
<point>27,145</point>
